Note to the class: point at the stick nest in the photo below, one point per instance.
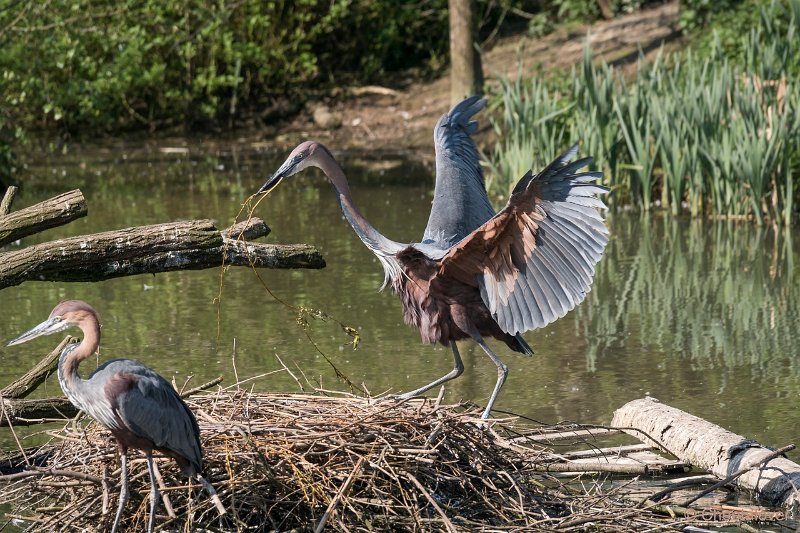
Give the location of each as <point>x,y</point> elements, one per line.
<point>284,462</point>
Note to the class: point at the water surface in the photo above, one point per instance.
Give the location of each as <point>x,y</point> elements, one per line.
<point>700,314</point>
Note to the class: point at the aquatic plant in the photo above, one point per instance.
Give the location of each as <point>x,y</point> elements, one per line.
<point>686,132</point>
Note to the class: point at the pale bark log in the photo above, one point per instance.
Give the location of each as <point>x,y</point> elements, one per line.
<point>54,212</point>
<point>710,447</point>
<point>166,247</point>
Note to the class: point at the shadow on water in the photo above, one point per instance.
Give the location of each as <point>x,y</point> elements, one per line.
<point>702,315</point>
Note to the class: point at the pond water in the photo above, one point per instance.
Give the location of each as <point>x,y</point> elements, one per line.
<point>702,315</point>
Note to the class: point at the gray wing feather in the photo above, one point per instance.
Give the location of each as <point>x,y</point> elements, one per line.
<point>460,203</point>
<point>558,273</point>
<point>153,409</point>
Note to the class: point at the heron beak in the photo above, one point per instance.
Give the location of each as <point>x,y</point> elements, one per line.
<point>51,325</point>
<point>287,169</point>
<point>271,183</point>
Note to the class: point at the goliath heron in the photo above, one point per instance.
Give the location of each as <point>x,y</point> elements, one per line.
<point>477,273</point>
<point>140,408</point>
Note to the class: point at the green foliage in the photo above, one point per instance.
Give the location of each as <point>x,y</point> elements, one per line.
<point>91,66</point>
<point>9,137</point>
<point>695,14</point>
<point>707,134</point>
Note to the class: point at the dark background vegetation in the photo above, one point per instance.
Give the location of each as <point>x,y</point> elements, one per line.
<point>83,69</point>
<point>87,67</point>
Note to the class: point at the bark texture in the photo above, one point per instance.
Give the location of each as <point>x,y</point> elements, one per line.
<point>190,245</point>
<point>24,385</point>
<point>710,447</point>
<point>56,211</point>
<point>466,73</point>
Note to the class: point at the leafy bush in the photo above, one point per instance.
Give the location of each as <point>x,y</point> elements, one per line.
<point>93,66</point>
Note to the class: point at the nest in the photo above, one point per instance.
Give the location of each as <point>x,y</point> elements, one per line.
<point>304,462</point>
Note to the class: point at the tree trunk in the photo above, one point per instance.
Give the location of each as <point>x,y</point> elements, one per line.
<point>188,245</point>
<point>44,215</point>
<point>466,72</point>
<point>710,447</point>
<point>605,9</point>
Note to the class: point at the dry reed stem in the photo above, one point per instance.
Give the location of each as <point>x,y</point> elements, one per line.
<point>284,461</point>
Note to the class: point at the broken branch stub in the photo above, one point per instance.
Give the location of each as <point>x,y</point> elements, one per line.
<point>53,212</point>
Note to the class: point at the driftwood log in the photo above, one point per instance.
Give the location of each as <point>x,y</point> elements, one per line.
<point>190,245</point>
<point>710,447</point>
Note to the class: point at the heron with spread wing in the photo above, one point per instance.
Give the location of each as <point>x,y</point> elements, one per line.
<point>478,273</point>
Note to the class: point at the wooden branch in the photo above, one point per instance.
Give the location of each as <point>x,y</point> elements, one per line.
<point>24,385</point>
<point>244,253</point>
<point>29,412</point>
<point>8,199</point>
<point>202,387</point>
<point>597,466</point>
<point>48,214</point>
<point>715,449</point>
<point>191,245</point>
<point>247,230</point>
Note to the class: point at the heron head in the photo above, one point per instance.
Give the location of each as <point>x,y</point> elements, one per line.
<point>66,314</point>
<point>300,158</point>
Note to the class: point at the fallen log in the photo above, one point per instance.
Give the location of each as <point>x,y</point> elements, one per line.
<point>24,385</point>
<point>28,412</point>
<point>712,448</point>
<point>190,245</point>
<point>54,212</point>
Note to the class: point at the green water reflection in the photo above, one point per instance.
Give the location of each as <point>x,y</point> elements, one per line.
<point>702,315</point>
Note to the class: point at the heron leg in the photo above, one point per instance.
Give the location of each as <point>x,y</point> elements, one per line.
<point>123,491</point>
<point>458,369</point>
<point>154,494</point>
<point>502,374</point>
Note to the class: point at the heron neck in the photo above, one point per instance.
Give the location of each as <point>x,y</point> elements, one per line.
<point>71,382</point>
<point>337,178</point>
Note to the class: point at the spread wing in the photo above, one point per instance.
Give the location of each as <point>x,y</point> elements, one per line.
<point>460,203</point>
<point>534,261</point>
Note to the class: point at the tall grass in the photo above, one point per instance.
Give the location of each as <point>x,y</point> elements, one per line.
<point>686,132</point>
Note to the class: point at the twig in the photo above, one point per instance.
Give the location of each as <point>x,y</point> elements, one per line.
<point>202,387</point>
<point>164,495</point>
<point>341,493</point>
<point>34,471</point>
<point>300,385</point>
<point>691,482</point>
<point>447,523</point>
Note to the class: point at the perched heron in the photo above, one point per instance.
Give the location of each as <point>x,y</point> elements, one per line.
<point>477,273</point>
<point>140,408</point>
